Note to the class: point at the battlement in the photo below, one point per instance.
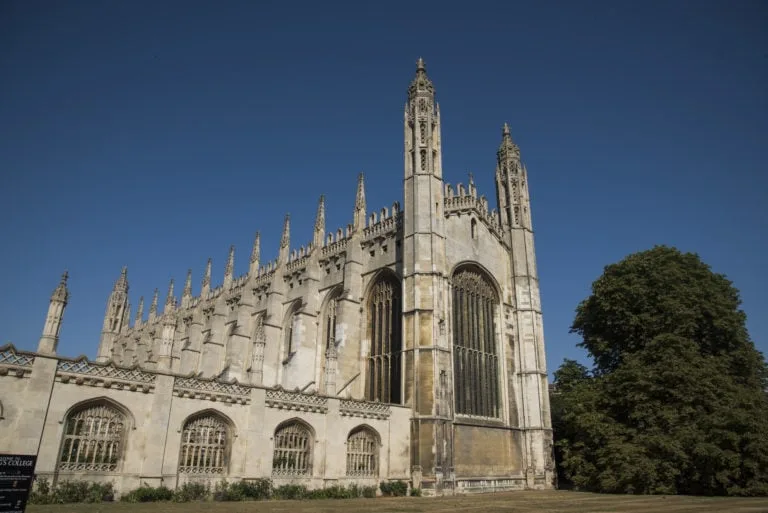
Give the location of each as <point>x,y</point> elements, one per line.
<point>385,224</point>
<point>466,200</point>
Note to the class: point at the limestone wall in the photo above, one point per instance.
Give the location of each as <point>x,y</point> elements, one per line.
<point>156,406</point>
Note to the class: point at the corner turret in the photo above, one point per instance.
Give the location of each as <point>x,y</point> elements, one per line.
<point>50,338</point>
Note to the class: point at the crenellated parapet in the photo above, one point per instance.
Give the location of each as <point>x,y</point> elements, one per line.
<point>386,224</point>
<point>462,201</point>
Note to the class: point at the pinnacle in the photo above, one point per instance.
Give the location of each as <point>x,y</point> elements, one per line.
<point>420,65</point>
<point>360,197</point>
<point>505,130</point>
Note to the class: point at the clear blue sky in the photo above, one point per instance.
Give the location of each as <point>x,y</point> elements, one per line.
<point>156,134</point>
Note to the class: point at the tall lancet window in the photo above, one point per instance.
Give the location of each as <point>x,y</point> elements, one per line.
<point>384,314</point>
<point>291,332</point>
<point>94,436</point>
<point>330,324</point>
<point>475,358</point>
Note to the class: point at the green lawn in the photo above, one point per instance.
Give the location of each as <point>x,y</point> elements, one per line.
<point>511,502</point>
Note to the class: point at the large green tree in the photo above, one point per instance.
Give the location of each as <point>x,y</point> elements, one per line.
<point>676,401</point>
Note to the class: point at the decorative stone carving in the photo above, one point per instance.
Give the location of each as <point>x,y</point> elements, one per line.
<point>212,390</point>
<point>364,409</point>
<point>83,372</point>
<point>9,357</point>
<point>285,400</point>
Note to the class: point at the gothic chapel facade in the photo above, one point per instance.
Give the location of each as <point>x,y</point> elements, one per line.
<point>408,346</point>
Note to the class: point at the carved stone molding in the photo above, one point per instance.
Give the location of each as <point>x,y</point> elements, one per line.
<point>285,400</point>
<point>15,363</point>
<point>364,409</point>
<point>212,390</point>
<point>83,372</point>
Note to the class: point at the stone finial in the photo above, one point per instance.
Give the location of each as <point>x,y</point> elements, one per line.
<point>121,284</point>
<point>170,300</point>
<point>358,220</point>
<point>139,312</point>
<point>319,234</point>
<point>421,82</point>
<point>153,305</point>
<point>207,275</point>
<point>188,284</point>
<point>61,293</point>
<point>285,240</point>
<point>229,270</point>
<point>360,196</point>
<point>508,148</point>
<point>255,255</point>
<point>320,217</point>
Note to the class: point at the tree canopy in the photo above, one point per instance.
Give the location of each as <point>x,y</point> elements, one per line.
<point>676,401</point>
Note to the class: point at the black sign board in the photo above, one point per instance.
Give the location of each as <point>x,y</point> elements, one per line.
<point>16,474</point>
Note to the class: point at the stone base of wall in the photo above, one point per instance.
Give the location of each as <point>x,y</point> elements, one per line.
<point>461,486</point>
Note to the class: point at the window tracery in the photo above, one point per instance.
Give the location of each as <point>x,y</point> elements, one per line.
<point>204,445</point>
<point>93,441</point>
<point>385,312</point>
<point>293,451</point>
<point>476,380</point>
<point>362,453</point>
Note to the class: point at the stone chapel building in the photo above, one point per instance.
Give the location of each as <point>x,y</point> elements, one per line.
<point>407,346</point>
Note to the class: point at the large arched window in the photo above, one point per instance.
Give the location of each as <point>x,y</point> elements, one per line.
<point>94,436</point>
<point>475,360</point>
<point>362,453</point>
<point>293,450</point>
<point>205,442</point>
<point>384,316</point>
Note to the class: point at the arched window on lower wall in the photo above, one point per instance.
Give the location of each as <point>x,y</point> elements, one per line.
<point>94,436</point>
<point>205,443</point>
<point>475,358</point>
<point>293,450</point>
<point>385,311</point>
<point>362,453</point>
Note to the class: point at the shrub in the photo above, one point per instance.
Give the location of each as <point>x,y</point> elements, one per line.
<point>148,494</point>
<point>68,492</point>
<point>415,492</point>
<point>191,492</point>
<point>291,492</point>
<point>255,489</point>
<point>369,492</point>
<point>41,492</point>
<point>394,488</point>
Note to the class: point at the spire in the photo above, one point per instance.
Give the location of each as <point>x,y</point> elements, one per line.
<point>50,337</point>
<point>170,301</point>
<point>229,270</point>
<point>206,285</point>
<point>421,82</point>
<point>255,255</point>
<point>188,284</point>
<point>320,223</point>
<point>139,313</point>
<point>121,284</point>
<point>153,307</point>
<point>507,148</point>
<point>61,293</point>
<point>360,209</point>
<point>285,240</point>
